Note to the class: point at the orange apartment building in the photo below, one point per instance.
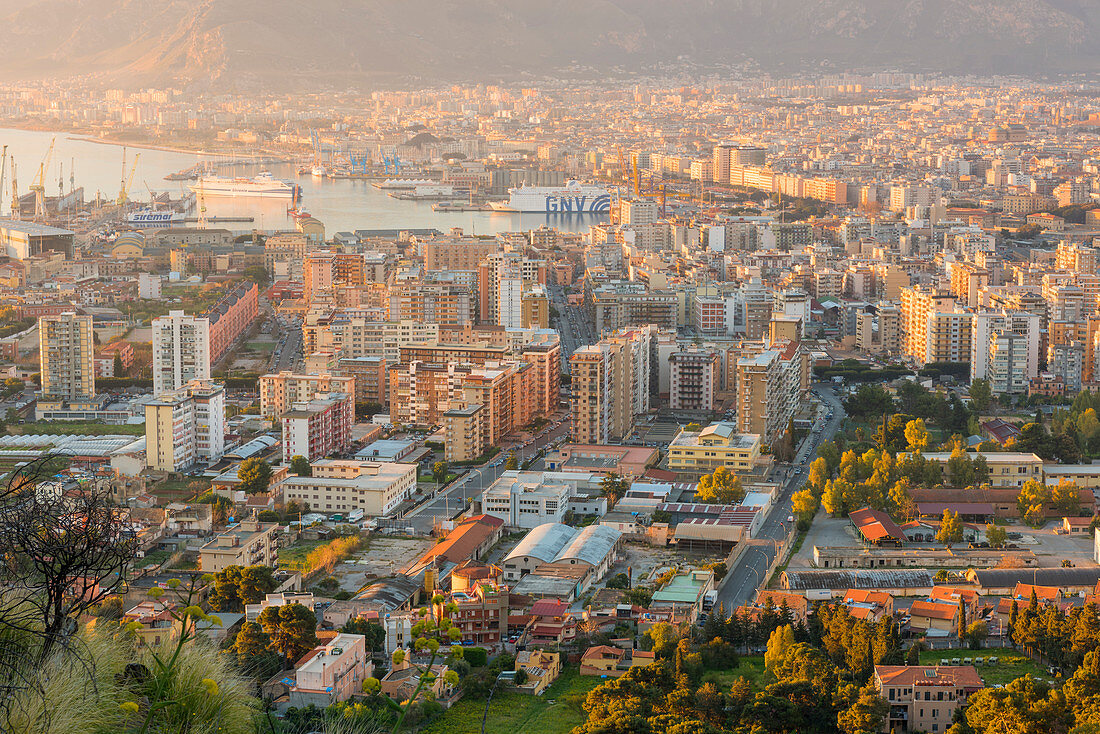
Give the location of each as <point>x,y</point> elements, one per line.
<point>230,317</point>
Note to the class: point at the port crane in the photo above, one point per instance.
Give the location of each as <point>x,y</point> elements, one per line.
<point>38,186</point>
<point>124,191</point>
<point>15,213</point>
<point>3,167</point>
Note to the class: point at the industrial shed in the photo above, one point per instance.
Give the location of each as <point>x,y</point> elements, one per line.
<point>823,584</point>
<point>1002,581</point>
<point>541,545</point>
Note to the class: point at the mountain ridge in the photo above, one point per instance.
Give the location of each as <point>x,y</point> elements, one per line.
<point>279,43</point>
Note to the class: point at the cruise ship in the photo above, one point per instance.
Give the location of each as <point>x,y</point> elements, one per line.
<point>573,197</point>
<point>263,185</point>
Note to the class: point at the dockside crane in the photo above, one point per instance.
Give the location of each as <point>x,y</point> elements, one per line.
<point>127,181</point>
<point>15,213</point>
<point>3,167</point>
<point>38,186</point>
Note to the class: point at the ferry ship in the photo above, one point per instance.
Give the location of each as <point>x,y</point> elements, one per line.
<point>263,185</point>
<point>154,216</point>
<point>573,197</point>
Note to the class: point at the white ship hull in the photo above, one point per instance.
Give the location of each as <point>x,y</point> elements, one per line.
<point>573,198</point>
<point>263,186</point>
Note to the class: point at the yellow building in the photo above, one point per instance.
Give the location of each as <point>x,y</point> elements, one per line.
<point>719,444</point>
<point>464,429</point>
<point>1006,468</point>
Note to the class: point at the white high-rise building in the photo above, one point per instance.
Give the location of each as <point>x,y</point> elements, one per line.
<point>181,350</point>
<point>185,426</point>
<point>1004,349</point>
<point>149,286</point>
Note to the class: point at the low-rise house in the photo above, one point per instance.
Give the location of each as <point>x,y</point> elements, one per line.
<point>157,623</point>
<point>542,669</point>
<point>248,543</point>
<point>332,673</point>
<point>876,527</point>
<point>401,681</point>
<point>551,622</point>
<point>611,662</point>
<point>924,698</point>
<point>305,598</point>
<point>868,604</point>
<point>934,618</point>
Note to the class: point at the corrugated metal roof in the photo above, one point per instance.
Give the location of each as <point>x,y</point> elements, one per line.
<point>592,545</point>
<point>543,542</point>
<point>856,579</point>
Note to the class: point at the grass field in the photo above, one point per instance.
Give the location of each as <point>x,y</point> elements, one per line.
<point>1011,664</point>
<point>296,554</point>
<point>752,667</point>
<point>517,713</point>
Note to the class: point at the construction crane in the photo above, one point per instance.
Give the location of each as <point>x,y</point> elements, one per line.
<point>124,192</point>
<point>38,186</point>
<point>14,191</point>
<point>3,168</point>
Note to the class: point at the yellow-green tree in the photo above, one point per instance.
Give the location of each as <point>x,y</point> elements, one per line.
<point>721,487</point>
<point>804,503</point>
<point>951,529</point>
<point>916,435</point>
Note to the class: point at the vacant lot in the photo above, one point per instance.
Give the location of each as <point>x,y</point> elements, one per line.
<point>518,713</point>
<point>1011,664</point>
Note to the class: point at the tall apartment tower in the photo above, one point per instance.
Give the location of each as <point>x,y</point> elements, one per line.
<point>601,395</point>
<point>181,350</point>
<point>66,357</point>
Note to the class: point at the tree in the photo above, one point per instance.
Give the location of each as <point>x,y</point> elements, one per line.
<point>721,487</point>
<point>227,595</point>
<point>951,529</point>
<point>804,503</point>
<point>916,435</point>
<point>780,640</point>
<point>511,463</point>
<point>55,544</point>
<point>255,475</point>
<point>119,368</point>
<point>292,629</point>
<point>1066,497</point>
<point>866,715</point>
<point>300,466</point>
<point>870,400</point>
<point>258,275</point>
<point>255,583</point>
<point>693,428</point>
<point>996,536</point>
<point>832,499</point>
<point>374,632</point>
<point>981,394</point>
<point>614,487</point>
<point>976,633</point>
<point>439,471</point>
<point>1030,501</point>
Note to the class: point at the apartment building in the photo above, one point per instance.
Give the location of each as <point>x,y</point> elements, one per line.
<point>464,429</point>
<point>446,304</point>
<point>719,444</point>
<point>248,543</point>
<point>371,380</point>
<point>482,613</point>
<point>342,485</point>
<point>934,328</point>
<point>185,426</point>
<point>502,277</point>
<point>332,672</point>
<point>601,392</point>
<point>693,380</point>
<point>1005,349</point>
<point>284,252</point>
<point>323,271</point>
<point>66,357</point>
<point>769,387</point>
<point>617,305</point>
<point>231,317</point>
<point>279,392</point>
<point>464,253</point>
<point>181,350</point>
<point>924,698</point>
<point>1006,469</point>
<point>359,336</point>
<point>318,427</point>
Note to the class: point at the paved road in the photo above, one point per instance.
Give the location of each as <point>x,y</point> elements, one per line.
<point>741,583</point>
<point>573,324</point>
<point>447,503</point>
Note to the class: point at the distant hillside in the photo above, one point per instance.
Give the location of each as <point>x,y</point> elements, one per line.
<point>304,43</point>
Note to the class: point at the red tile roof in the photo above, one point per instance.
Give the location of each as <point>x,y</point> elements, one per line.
<point>876,525</point>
